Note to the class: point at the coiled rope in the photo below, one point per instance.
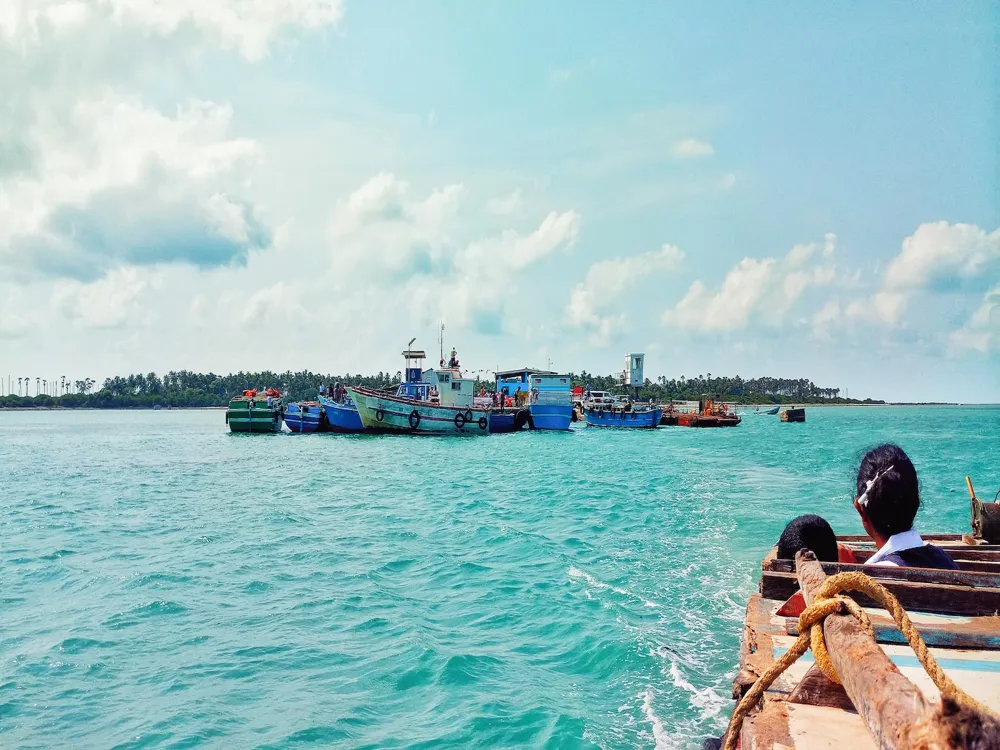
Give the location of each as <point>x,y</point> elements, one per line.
<point>828,601</point>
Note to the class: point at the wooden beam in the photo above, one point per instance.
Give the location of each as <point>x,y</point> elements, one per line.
<point>921,597</point>
<point>918,575</point>
<point>974,633</point>
<point>957,552</point>
<point>896,713</point>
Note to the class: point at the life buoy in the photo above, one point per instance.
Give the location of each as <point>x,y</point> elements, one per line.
<point>414,419</point>
<point>379,415</point>
<point>459,420</point>
<point>468,415</point>
<point>483,423</point>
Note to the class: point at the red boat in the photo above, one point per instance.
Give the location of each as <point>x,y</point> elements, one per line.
<point>709,414</point>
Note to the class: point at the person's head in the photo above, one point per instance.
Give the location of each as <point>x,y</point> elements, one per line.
<point>808,532</point>
<point>888,495</point>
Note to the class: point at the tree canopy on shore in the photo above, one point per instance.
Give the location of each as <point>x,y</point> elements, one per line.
<point>193,389</point>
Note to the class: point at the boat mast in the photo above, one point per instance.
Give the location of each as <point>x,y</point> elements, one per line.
<point>441,344</point>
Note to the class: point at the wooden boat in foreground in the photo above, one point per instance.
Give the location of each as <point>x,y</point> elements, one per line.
<point>886,691</point>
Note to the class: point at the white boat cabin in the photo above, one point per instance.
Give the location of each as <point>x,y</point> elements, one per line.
<point>452,388</point>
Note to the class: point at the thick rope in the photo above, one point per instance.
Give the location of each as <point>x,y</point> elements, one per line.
<point>828,600</point>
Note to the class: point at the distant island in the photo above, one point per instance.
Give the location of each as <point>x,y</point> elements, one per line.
<point>186,389</point>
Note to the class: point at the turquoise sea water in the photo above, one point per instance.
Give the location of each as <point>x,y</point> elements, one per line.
<point>168,584</point>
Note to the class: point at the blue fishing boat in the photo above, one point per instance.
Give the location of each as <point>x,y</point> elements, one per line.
<point>629,416</point>
<point>305,416</point>
<point>768,411</point>
<point>341,416</point>
<point>548,396</point>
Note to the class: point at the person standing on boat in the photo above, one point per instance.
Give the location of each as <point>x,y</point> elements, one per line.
<point>888,500</point>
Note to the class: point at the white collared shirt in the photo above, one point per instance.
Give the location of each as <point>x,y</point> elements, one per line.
<point>897,543</point>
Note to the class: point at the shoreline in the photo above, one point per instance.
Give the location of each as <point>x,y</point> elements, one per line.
<point>743,407</point>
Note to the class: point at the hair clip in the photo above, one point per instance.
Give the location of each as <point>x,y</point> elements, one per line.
<point>863,500</point>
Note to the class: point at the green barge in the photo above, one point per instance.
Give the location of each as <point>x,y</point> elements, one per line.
<point>253,412</point>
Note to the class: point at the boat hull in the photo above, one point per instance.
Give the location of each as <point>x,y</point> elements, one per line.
<point>244,416</point>
<point>793,415</point>
<point>551,417</point>
<point>706,420</point>
<point>510,421</point>
<point>305,417</point>
<point>383,413</point>
<point>342,417</point>
<point>623,419</point>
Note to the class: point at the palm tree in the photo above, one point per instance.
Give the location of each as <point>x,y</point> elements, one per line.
<point>62,385</point>
<point>19,386</point>
<point>38,383</point>
<point>45,386</point>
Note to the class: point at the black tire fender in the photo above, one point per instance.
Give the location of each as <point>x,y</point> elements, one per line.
<point>379,415</point>
<point>460,421</point>
<point>414,419</point>
<point>483,423</point>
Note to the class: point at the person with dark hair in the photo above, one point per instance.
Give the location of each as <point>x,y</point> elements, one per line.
<point>812,532</point>
<point>888,500</point>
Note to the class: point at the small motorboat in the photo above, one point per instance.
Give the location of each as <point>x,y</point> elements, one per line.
<point>305,416</point>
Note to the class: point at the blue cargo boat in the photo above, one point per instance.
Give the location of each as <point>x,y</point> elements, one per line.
<point>547,394</point>
<point>305,416</point>
<point>634,417</point>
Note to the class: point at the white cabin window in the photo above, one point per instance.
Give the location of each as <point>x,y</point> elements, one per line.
<point>456,386</point>
<point>444,377</point>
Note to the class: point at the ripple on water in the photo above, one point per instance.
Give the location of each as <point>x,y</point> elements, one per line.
<point>169,585</point>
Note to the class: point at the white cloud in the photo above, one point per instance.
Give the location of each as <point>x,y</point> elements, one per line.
<point>277,302</point>
<point>764,289</point>
<point>728,181</point>
<point>107,303</point>
<point>246,26</point>
<point>692,148</point>
<point>591,300</point>
<point>64,217</point>
<point>982,331</point>
<point>505,205</point>
<point>389,239</point>
<point>936,255</point>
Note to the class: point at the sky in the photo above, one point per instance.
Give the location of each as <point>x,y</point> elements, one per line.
<point>765,189</point>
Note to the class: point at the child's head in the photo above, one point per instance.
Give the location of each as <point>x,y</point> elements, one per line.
<point>808,532</point>
<point>888,494</point>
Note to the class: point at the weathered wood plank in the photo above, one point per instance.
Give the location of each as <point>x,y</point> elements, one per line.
<point>918,575</point>
<point>893,708</point>
<point>922,597</point>
<point>985,552</point>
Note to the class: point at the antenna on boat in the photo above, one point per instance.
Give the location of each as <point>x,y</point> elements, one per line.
<point>441,342</point>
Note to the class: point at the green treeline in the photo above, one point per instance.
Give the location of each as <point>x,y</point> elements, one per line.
<point>187,389</point>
